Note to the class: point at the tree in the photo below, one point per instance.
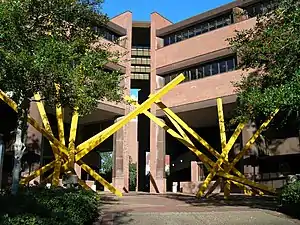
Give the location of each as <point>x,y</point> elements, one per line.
<point>46,44</point>
<point>106,162</point>
<point>270,53</point>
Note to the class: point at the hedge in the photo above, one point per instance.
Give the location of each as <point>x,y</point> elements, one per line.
<point>290,199</point>
<point>40,206</point>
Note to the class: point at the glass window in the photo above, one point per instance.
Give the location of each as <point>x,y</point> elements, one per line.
<point>228,20</point>
<point>178,37</point>
<point>222,66</point>
<point>220,23</point>
<point>194,75</point>
<point>207,70</point>
<point>212,25</point>
<point>214,68</point>
<point>198,30</point>
<point>167,79</point>
<point>172,39</point>
<point>205,28</point>
<point>200,72</point>
<point>230,64</point>
<point>187,75</point>
<point>191,32</point>
<point>166,41</point>
<point>185,35</point>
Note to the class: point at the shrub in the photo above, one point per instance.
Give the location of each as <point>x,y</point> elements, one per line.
<point>132,176</point>
<point>39,206</point>
<point>290,199</point>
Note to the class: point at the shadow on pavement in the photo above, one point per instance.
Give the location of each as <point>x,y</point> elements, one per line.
<point>260,202</point>
<point>114,218</point>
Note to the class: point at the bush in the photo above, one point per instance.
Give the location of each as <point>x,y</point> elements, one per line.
<point>132,176</point>
<point>290,199</point>
<point>39,206</point>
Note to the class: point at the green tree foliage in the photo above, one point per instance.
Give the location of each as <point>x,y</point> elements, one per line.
<point>269,53</point>
<point>106,162</point>
<point>48,42</point>
<point>132,176</point>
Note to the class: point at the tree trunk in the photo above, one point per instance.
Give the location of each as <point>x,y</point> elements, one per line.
<point>18,148</point>
<point>19,145</point>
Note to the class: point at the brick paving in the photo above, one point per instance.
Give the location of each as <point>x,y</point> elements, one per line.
<point>146,209</point>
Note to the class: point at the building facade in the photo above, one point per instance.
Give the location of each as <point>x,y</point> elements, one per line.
<point>155,52</point>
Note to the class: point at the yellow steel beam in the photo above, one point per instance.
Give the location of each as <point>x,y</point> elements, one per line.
<point>246,182</point>
<point>73,130</point>
<point>37,173</point>
<point>176,118</point>
<point>61,135</point>
<point>93,142</point>
<point>98,178</point>
<point>84,185</point>
<point>47,126</point>
<point>252,140</point>
<point>187,142</point>
<point>247,147</point>
<point>220,161</point>
<point>223,141</point>
<point>8,101</point>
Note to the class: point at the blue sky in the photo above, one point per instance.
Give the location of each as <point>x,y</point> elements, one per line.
<point>174,10</point>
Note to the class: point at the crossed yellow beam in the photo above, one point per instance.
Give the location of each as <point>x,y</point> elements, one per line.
<point>65,158</point>
<point>214,168</point>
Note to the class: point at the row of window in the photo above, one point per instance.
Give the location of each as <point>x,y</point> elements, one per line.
<point>140,60</point>
<point>140,76</point>
<point>260,8</point>
<point>140,51</point>
<point>198,29</point>
<point>140,69</point>
<point>205,70</point>
<point>107,34</point>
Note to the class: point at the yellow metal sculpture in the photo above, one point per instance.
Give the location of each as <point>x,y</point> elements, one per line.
<point>67,156</point>
<point>222,167</point>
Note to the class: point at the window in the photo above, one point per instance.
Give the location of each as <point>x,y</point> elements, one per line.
<point>214,68</point>
<point>107,34</point>
<point>223,67</point>
<point>208,69</point>
<point>193,74</point>
<point>260,8</point>
<point>198,29</point>
<point>230,64</point>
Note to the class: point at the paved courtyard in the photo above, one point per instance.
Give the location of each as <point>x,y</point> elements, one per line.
<point>173,209</point>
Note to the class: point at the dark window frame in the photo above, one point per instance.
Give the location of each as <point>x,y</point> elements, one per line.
<point>200,69</point>
<point>199,28</point>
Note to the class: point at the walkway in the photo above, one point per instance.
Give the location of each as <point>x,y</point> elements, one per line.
<point>173,209</point>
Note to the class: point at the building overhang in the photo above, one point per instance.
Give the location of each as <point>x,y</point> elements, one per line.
<point>203,17</point>
<point>115,66</point>
<point>193,61</point>
<point>116,28</point>
<point>198,105</point>
<point>141,24</point>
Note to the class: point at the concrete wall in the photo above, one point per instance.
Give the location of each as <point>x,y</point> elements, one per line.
<point>203,89</point>
<point>200,45</point>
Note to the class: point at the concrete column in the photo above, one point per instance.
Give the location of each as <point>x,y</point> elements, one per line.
<point>120,175</point>
<point>247,133</point>
<point>195,172</point>
<point>157,160</point>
